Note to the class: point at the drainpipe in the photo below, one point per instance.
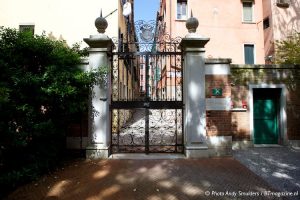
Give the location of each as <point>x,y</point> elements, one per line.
<point>170,18</point>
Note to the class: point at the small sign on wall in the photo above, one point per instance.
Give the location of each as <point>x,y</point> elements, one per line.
<point>217,92</point>
<point>217,86</point>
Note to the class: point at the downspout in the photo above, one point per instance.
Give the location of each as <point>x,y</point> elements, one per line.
<point>171,18</point>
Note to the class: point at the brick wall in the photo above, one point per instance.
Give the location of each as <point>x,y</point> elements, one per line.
<point>293,115</point>
<point>217,81</point>
<point>240,124</point>
<point>218,123</point>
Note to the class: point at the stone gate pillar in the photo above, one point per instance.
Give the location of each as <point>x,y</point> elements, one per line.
<point>194,91</point>
<point>99,115</point>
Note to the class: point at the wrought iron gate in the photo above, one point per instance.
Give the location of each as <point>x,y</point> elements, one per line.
<point>146,107</point>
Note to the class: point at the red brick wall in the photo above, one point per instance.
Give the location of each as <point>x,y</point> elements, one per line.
<point>218,123</point>
<point>240,119</point>
<point>293,115</point>
<point>240,125</point>
<point>217,81</point>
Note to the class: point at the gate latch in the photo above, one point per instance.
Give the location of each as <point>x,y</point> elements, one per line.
<point>103,99</point>
<point>146,105</point>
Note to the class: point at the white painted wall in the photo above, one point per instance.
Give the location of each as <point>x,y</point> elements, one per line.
<point>70,19</point>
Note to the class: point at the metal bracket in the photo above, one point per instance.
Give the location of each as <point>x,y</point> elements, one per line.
<point>103,99</point>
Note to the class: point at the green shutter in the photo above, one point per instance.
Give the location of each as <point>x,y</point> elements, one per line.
<point>249,53</point>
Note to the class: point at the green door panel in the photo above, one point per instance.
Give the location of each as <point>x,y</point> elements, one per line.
<point>265,121</point>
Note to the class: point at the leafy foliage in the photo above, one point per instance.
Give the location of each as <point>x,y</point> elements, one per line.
<point>41,89</point>
<point>288,51</point>
<point>82,52</point>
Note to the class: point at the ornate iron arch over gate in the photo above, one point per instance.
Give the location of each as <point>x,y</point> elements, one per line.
<point>146,92</point>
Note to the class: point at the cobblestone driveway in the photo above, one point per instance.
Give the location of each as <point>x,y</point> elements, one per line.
<point>177,179</point>
<point>279,166</point>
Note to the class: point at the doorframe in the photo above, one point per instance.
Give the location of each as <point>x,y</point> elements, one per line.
<point>282,110</point>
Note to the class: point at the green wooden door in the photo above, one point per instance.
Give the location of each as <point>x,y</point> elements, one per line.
<point>265,121</point>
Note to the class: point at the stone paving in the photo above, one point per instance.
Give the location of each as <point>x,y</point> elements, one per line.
<point>172,179</point>
<point>165,130</point>
<point>162,127</point>
<point>279,166</point>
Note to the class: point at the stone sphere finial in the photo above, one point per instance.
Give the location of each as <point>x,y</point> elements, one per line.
<point>192,24</point>
<point>101,23</point>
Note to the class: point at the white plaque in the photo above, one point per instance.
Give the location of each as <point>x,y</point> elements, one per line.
<point>218,103</point>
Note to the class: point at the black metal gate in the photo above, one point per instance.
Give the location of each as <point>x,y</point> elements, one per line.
<point>146,92</point>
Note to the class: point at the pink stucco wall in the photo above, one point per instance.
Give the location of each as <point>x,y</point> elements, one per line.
<point>268,32</point>
<point>283,22</point>
<point>221,21</point>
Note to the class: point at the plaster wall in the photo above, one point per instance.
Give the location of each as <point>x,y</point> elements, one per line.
<point>69,20</point>
<point>268,32</point>
<point>283,22</point>
<point>221,21</point>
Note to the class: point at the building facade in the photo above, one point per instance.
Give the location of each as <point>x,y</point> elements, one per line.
<point>232,26</point>
<point>280,19</point>
<point>244,30</point>
<point>246,104</point>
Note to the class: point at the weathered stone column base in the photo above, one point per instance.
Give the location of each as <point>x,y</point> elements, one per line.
<point>219,145</point>
<point>196,151</point>
<point>216,146</point>
<point>242,144</point>
<point>294,144</point>
<point>97,152</point>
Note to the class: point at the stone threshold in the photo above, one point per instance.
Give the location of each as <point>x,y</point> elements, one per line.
<point>267,145</point>
<point>143,156</point>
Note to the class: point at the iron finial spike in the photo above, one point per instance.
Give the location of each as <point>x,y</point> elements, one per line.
<point>192,13</point>
<point>101,12</point>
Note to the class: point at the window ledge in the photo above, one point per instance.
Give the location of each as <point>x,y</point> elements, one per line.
<point>248,22</point>
<point>180,20</point>
<point>238,110</point>
<point>283,5</point>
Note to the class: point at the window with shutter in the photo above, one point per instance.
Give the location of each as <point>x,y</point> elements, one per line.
<point>249,53</point>
<point>181,9</point>
<point>247,12</point>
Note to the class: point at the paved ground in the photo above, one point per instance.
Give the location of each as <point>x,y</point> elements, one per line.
<point>279,166</point>
<point>163,128</point>
<point>173,179</point>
